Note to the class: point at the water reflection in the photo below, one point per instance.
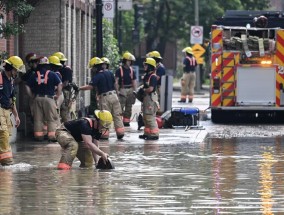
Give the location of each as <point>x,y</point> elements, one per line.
<point>233,176</point>
<point>266,180</point>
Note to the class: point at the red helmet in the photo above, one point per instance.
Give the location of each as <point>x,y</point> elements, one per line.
<point>31,56</point>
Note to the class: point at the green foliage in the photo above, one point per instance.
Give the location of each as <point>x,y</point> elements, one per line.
<point>110,47</point>
<point>20,9</point>
<point>170,20</point>
<point>3,55</point>
<point>255,4</point>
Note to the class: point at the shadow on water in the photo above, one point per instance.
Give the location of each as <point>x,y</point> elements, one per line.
<point>220,176</point>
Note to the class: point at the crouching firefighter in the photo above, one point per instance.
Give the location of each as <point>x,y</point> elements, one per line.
<point>79,138</point>
<point>150,104</point>
<point>7,100</point>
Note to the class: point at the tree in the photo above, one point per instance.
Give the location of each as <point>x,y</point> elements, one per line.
<point>170,20</point>
<point>20,10</point>
<point>110,47</point>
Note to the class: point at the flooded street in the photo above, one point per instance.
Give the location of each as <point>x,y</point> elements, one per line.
<point>237,169</point>
<point>220,176</point>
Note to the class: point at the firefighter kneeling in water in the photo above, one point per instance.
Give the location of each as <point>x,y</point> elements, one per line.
<point>150,103</point>
<point>79,138</point>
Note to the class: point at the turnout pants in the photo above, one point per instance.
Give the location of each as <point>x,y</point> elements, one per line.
<point>72,149</point>
<point>126,99</point>
<point>109,101</point>
<point>45,111</point>
<point>187,86</point>
<point>150,106</point>
<point>6,157</point>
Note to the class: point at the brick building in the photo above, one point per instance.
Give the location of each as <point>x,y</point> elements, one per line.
<point>59,25</point>
<point>66,26</point>
<point>7,45</point>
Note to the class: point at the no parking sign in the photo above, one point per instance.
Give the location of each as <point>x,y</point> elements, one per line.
<point>196,35</point>
<point>108,9</point>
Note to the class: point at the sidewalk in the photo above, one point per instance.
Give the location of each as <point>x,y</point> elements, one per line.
<point>177,135</point>
<point>167,136</point>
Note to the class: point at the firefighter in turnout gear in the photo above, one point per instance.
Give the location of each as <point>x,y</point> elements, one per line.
<point>103,82</point>
<point>125,83</point>
<point>189,76</point>
<point>42,85</point>
<point>160,69</point>
<point>25,100</point>
<point>106,63</point>
<point>79,138</point>
<point>12,66</point>
<point>55,66</point>
<point>67,75</point>
<point>150,104</point>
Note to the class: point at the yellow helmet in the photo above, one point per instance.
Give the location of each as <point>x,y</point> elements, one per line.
<point>150,61</point>
<point>95,61</point>
<point>105,60</point>
<point>128,56</point>
<point>105,117</point>
<point>54,60</point>
<point>155,54</point>
<point>17,63</point>
<point>60,55</point>
<point>188,50</point>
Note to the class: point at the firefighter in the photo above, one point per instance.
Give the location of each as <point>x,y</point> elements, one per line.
<point>106,63</point>
<point>42,84</point>
<point>189,76</point>
<point>12,66</point>
<point>160,69</point>
<point>125,83</point>
<point>67,76</point>
<point>55,66</point>
<point>150,104</point>
<point>73,135</point>
<point>104,82</point>
<point>32,62</point>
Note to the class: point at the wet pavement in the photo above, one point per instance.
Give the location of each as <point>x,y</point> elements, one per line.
<point>216,169</point>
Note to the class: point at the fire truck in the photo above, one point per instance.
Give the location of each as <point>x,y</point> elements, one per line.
<point>247,68</point>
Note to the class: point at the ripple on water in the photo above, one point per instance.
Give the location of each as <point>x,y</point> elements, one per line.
<point>18,167</point>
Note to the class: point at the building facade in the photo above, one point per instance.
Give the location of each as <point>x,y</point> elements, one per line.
<point>65,26</point>
<point>53,26</point>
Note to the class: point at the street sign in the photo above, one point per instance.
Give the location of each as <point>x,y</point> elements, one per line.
<point>198,51</point>
<point>196,35</point>
<point>124,5</point>
<point>108,9</point>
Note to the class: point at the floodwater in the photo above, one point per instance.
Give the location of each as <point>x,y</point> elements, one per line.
<point>219,176</point>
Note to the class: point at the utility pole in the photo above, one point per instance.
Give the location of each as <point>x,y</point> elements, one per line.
<point>99,28</point>
<point>196,19</point>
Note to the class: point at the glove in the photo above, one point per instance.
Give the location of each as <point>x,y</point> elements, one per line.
<point>75,87</point>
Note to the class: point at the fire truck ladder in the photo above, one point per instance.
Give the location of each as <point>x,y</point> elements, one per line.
<point>224,91</point>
